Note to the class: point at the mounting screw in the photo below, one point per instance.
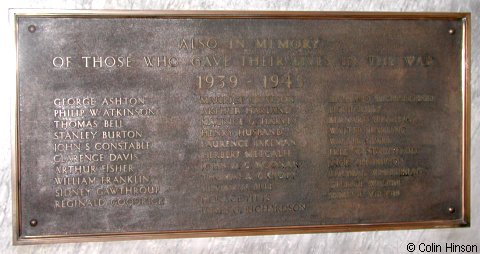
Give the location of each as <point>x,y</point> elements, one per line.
<point>33,222</point>
<point>32,28</point>
<point>451,31</point>
<point>451,210</point>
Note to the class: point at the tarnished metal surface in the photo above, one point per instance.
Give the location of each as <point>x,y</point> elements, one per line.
<point>189,124</point>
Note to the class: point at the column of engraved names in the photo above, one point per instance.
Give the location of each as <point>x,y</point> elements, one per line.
<point>371,151</point>
<point>247,153</point>
<point>97,149</point>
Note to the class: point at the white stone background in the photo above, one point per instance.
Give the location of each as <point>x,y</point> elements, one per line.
<point>359,242</point>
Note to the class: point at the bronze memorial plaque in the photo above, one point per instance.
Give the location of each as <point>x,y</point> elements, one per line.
<point>132,125</point>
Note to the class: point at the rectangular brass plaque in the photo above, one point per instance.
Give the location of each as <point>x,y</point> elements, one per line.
<point>183,124</point>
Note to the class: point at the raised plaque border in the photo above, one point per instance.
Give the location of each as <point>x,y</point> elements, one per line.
<point>167,14</point>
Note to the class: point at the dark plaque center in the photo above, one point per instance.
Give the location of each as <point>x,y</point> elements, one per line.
<point>147,125</point>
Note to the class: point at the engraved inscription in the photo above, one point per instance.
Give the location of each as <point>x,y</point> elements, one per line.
<point>95,149</point>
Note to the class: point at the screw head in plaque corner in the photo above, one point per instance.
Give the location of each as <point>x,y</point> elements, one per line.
<point>33,222</point>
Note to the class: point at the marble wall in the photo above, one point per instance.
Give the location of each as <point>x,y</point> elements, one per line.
<point>362,242</point>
